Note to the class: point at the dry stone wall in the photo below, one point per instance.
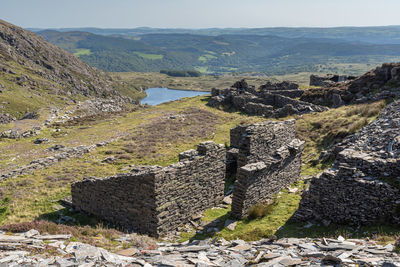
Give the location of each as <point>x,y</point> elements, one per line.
<point>155,200</point>
<point>127,200</point>
<point>268,159</point>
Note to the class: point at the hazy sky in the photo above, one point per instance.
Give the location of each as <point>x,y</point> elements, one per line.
<point>199,13</point>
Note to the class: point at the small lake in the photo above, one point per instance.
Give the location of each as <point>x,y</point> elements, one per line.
<point>157,96</point>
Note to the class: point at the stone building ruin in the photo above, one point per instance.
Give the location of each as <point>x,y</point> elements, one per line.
<point>329,79</point>
<point>268,159</point>
<point>272,100</point>
<point>363,186</point>
<point>154,200</point>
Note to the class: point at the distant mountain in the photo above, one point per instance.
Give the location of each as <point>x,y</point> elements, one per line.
<point>217,54</point>
<point>35,74</point>
<point>375,35</point>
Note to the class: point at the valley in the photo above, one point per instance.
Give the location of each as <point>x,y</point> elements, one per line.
<point>226,52</point>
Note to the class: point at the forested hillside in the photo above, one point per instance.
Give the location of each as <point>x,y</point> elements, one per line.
<point>219,54</point>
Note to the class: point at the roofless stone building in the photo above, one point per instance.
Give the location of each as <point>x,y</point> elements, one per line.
<point>154,200</point>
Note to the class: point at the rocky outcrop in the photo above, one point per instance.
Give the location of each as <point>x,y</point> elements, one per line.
<point>268,159</point>
<point>155,200</point>
<point>14,134</point>
<point>6,118</point>
<point>272,100</point>
<point>363,186</point>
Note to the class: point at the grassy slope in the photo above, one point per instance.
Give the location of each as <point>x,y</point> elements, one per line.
<point>156,135</point>
<point>17,99</point>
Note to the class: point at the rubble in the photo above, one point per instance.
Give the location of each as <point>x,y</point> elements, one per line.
<point>216,252</point>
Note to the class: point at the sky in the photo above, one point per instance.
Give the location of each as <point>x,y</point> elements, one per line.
<point>199,13</point>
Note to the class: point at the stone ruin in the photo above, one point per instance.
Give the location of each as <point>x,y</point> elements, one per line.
<point>268,160</point>
<point>154,200</point>
<point>363,186</point>
<point>271,100</point>
<point>379,84</point>
<point>329,79</point>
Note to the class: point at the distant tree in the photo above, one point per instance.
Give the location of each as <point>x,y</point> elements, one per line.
<point>181,73</point>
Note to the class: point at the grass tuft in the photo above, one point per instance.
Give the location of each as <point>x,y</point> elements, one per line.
<point>262,209</point>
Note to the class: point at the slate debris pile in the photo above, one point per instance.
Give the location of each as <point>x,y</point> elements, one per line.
<point>29,249</point>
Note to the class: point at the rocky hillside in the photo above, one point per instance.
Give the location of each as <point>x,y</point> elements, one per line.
<point>43,74</point>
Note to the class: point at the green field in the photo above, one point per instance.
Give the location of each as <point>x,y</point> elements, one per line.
<point>206,57</point>
<point>82,52</point>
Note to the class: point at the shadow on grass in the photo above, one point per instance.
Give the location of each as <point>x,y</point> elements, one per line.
<point>215,228</point>
<point>68,216</point>
<point>208,230</point>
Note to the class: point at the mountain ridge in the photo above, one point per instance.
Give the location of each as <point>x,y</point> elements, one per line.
<point>374,34</point>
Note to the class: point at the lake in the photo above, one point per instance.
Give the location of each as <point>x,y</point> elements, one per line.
<point>157,96</point>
